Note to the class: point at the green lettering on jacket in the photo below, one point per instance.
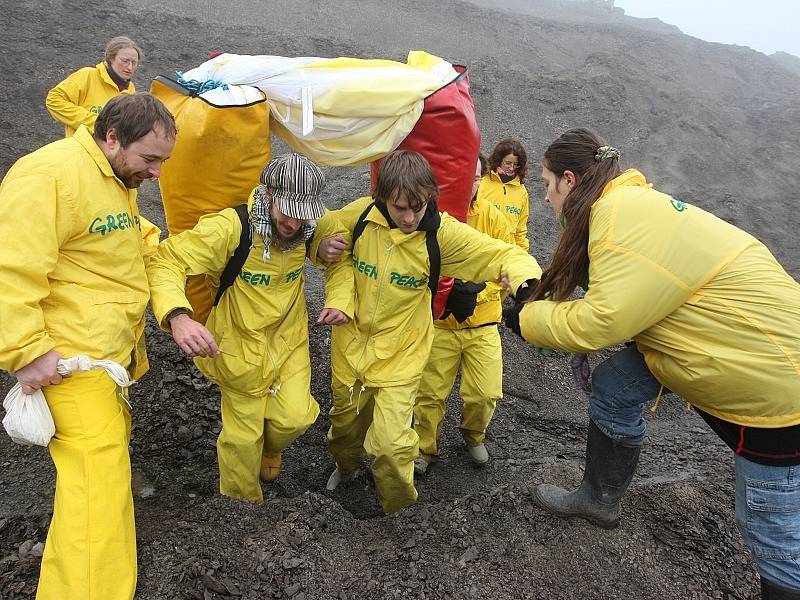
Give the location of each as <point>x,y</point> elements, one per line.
<point>255,279</point>
<point>514,210</point>
<point>408,280</point>
<point>293,275</point>
<point>365,268</point>
<point>678,204</point>
<point>109,223</point>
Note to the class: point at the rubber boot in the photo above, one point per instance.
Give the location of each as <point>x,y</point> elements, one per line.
<point>772,591</point>
<point>609,470</point>
<point>270,467</point>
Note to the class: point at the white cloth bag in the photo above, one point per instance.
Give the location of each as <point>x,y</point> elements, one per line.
<point>28,420</point>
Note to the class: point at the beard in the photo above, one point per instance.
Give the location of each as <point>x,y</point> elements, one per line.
<point>130,178</point>
<point>283,242</point>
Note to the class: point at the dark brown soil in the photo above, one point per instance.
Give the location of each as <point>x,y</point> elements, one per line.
<point>715,125</point>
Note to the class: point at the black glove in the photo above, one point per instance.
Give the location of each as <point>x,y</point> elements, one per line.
<point>511,312</point>
<point>463,299</point>
<point>511,316</point>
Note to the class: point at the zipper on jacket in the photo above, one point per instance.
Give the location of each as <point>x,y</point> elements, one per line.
<point>374,311</point>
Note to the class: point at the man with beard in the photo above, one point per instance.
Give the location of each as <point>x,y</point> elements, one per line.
<point>255,342</point>
<point>73,282</point>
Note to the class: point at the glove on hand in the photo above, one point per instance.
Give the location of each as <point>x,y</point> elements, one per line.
<point>463,299</point>
<point>581,372</point>
<point>511,311</point>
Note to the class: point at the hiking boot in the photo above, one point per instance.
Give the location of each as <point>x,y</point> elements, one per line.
<point>338,477</point>
<point>609,470</point>
<point>270,467</point>
<point>478,454</point>
<point>420,466</point>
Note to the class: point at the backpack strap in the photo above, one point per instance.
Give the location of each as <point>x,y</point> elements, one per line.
<point>237,260</point>
<point>435,259</point>
<point>361,224</point>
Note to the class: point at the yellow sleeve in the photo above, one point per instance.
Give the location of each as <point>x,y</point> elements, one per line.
<point>627,294</point>
<point>521,233</point>
<point>205,249</point>
<point>63,102</point>
<point>151,236</point>
<point>339,281</point>
<point>473,256</point>
<point>28,255</point>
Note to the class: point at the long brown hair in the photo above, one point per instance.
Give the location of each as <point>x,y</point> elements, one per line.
<point>576,151</point>
<point>503,149</point>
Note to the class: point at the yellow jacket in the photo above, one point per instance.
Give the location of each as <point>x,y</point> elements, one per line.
<point>262,316</point>
<point>80,97</point>
<point>715,315</point>
<point>484,217</point>
<point>389,339</point>
<point>73,276</point>
<point>511,199</point>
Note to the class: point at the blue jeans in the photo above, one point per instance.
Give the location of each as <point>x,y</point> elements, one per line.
<point>768,513</point>
<point>767,498</point>
<point>621,385</point>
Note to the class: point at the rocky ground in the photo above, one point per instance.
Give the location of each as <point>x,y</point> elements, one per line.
<point>713,124</point>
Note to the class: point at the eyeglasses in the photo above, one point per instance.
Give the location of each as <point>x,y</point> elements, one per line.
<point>129,62</point>
<point>509,164</point>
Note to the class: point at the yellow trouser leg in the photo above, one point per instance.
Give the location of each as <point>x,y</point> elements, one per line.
<point>90,553</point>
<point>393,445</point>
<point>293,409</point>
<point>481,381</point>
<point>239,445</point>
<point>350,416</point>
<point>434,388</point>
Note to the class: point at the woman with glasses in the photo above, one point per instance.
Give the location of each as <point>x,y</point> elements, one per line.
<point>504,186</point>
<point>80,97</point>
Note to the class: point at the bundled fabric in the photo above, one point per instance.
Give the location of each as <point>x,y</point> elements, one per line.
<point>336,111</point>
<point>28,420</point>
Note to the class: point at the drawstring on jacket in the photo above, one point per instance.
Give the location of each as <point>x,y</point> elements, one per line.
<point>358,398</point>
<point>654,408</point>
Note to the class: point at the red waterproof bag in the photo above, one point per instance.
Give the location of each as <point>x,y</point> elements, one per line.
<point>447,135</point>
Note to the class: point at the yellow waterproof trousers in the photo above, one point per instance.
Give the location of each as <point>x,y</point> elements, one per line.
<point>268,423</point>
<point>378,421</point>
<point>90,553</point>
<point>479,354</point>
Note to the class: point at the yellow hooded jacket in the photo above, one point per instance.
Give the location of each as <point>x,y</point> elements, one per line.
<point>484,217</point>
<point>511,199</point>
<point>73,276</point>
<point>80,97</point>
<point>263,315</point>
<point>713,312</point>
<point>389,338</point>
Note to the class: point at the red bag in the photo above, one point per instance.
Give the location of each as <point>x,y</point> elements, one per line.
<point>447,135</point>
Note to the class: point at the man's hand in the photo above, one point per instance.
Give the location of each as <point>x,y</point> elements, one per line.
<point>39,373</point>
<point>331,248</point>
<point>332,316</point>
<point>192,337</point>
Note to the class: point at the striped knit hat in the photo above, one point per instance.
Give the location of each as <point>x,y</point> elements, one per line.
<point>296,185</point>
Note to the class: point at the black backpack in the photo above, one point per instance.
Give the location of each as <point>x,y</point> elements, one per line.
<point>237,260</point>
<point>434,256</point>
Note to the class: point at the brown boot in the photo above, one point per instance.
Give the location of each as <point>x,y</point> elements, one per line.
<point>270,467</point>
